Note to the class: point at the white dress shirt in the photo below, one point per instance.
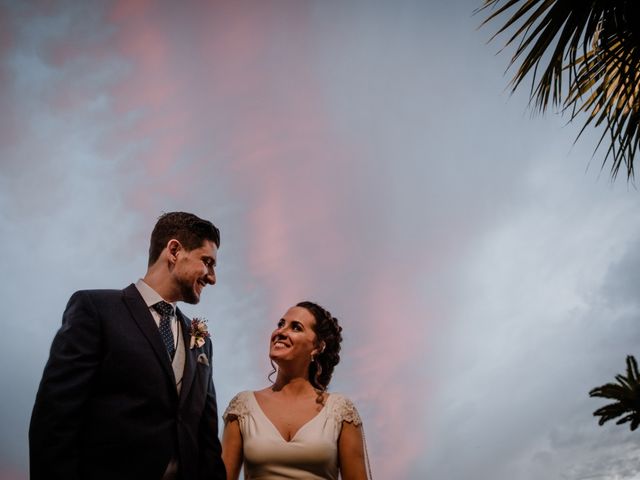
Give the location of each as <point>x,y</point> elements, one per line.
<point>151,297</point>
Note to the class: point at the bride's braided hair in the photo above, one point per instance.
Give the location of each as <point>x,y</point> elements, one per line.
<point>328,331</point>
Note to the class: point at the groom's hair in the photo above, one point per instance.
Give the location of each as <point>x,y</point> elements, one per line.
<point>191,231</point>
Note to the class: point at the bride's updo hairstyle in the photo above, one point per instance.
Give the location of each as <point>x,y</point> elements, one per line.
<point>328,331</point>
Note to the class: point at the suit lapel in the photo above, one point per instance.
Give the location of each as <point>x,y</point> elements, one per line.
<point>189,357</point>
<point>142,316</point>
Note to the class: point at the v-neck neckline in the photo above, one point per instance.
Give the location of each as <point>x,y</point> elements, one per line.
<point>293,437</point>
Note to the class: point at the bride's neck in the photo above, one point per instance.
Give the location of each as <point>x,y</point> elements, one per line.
<point>292,384</point>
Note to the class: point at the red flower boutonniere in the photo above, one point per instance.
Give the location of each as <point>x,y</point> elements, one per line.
<point>199,332</point>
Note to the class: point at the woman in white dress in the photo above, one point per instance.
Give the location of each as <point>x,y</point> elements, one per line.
<point>295,429</point>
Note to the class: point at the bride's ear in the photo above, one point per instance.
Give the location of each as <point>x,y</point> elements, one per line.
<point>320,348</point>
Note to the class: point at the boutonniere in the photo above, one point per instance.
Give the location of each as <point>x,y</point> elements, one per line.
<point>199,332</point>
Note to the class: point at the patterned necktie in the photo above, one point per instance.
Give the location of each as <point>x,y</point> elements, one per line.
<point>166,312</point>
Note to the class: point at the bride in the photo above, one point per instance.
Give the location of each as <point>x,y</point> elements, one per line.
<point>295,428</point>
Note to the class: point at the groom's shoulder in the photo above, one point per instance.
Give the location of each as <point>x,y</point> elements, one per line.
<point>101,294</point>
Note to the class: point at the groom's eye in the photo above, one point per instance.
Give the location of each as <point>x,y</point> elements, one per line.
<point>208,262</point>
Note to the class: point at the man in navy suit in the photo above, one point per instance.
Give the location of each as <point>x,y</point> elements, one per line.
<point>128,392</point>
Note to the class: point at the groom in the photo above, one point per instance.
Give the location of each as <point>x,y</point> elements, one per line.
<point>127,392</point>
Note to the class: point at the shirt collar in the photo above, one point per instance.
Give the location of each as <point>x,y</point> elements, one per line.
<point>149,295</point>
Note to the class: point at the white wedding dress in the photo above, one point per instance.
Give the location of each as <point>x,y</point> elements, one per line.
<point>311,454</point>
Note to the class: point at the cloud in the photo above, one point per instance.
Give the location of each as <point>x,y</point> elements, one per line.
<point>356,155</point>
<point>536,331</point>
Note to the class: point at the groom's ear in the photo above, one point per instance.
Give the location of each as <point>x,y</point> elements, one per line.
<point>173,247</point>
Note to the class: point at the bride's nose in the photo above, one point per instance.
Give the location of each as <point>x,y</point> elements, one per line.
<point>279,334</point>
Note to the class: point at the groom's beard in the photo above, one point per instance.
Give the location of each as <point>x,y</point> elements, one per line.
<point>188,293</point>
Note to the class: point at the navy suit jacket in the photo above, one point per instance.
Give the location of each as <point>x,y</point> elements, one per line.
<point>107,406</point>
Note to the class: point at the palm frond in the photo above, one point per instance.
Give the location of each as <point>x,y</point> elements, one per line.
<point>627,395</point>
<point>625,419</point>
<point>632,369</point>
<point>583,57</point>
<point>610,390</point>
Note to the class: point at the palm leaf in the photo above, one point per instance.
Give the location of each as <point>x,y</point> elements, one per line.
<point>610,390</point>
<point>607,414</point>
<point>583,57</point>
<point>626,392</point>
<point>632,368</point>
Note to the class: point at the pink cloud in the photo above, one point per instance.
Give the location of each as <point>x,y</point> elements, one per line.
<point>154,92</point>
<point>275,147</point>
<point>392,343</point>
<point>6,31</point>
<point>128,10</point>
<point>8,121</point>
<point>287,159</point>
<point>8,473</point>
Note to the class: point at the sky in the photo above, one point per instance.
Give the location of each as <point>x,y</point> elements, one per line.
<point>366,155</point>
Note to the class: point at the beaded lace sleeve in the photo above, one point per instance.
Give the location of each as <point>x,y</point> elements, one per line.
<point>345,411</point>
<point>237,407</point>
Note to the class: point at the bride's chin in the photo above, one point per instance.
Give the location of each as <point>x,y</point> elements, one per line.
<point>277,359</point>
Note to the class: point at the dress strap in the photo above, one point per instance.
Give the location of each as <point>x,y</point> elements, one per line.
<point>366,454</point>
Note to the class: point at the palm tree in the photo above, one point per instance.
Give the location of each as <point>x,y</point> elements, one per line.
<point>584,57</point>
<point>626,394</point>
